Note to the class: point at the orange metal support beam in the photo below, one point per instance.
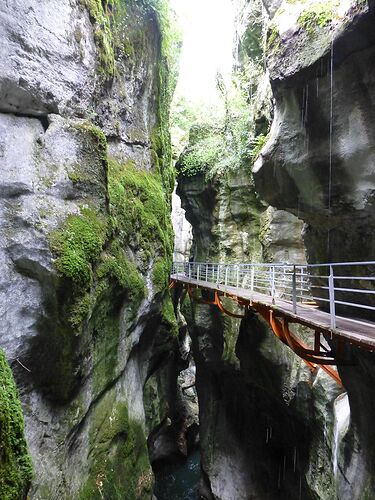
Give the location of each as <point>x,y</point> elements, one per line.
<point>312,357</point>
<point>225,311</point>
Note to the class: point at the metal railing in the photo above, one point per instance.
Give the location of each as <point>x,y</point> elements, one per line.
<point>347,288</point>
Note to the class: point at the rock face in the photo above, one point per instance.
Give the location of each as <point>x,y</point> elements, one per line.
<point>332,192</point>
<point>86,239</point>
<point>319,161</point>
<point>182,231</point>
<point>258,402</point>
<point>269,428</point>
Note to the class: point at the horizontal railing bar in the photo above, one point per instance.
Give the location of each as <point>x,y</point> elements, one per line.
<point>287,281</point>
<point>360,278</point>
<point>336,264</point>
<point>319,298</point>
<point>280,264</point>
<point>365,323</point>
<point>350,304</point>
<point>355,290</point>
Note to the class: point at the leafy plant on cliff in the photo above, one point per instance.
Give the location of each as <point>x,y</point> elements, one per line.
<point>15,462</point>
<point>203,151</point>
<point>230,140</point>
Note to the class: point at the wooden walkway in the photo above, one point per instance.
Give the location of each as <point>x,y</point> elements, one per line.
<point>357,332</point>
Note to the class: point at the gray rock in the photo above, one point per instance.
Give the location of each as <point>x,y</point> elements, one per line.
<point>48,60</point>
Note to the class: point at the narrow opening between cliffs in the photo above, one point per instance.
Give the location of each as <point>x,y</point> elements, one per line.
<point>206,64</point>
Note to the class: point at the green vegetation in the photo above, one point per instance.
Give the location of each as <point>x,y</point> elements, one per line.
<point>15,462</point>
<point>251,42</point>
<point>203,152</point>
<point>78,245</point>
<point>228,141</point>
<point>273,39</point>
<point>168,316</point>
<point>258,144</point>
<point>140,213</point>
<point>120,465</point>
<point>317,15</point>
<point>100,12</point>
<point>168,70</point>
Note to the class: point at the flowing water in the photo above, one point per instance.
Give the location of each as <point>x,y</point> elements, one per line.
<point>179,481</point>
<point>342,419</point>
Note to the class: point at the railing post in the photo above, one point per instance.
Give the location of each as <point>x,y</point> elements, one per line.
<point>294,290</point>
<point>206,272</point>
<point>238,275</point>
<point>273,284</point>
<point>198,269</point>
<point>189,265</point>
<point>331,287</point>
<point>252,278</point>
<point>218,274</point>
<point>226,275</point>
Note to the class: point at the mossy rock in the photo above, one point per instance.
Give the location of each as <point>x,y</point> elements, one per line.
<point>120,467</point>
<point>318,15</point>
<point>15,461</point>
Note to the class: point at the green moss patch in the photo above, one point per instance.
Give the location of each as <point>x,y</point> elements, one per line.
<point>78,245</point>
<point>140,215</point>
<point>120,464</point>
<point>317,15</point>
<point>100,12</point>
<point>273,42</point>
<point>15,462</point>
<point>168,316</point>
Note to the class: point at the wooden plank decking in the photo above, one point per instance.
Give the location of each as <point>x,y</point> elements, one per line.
<point>360,333</point>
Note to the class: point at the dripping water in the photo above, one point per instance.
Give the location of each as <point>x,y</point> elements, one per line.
<point>330,150</point>
<point>342,418</point>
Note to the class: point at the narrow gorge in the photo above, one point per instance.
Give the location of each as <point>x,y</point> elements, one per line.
<point>138,138</point>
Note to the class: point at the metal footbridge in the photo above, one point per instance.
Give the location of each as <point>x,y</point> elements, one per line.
<point>335,301</point>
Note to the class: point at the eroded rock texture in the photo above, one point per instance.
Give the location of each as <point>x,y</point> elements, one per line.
<point>319,165</point>
<point>266,422</point>
<point>86,239</point>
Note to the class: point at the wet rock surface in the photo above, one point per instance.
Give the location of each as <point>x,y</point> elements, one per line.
<point>266,422</point>
<point>320,158</point>
<point>81,385</point>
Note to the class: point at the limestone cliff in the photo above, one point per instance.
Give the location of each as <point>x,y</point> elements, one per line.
<point>319,161</point>
<point>267,424</point>
<point>86,237</point>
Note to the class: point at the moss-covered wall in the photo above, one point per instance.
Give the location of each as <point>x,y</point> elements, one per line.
<point>98,255</point>
<point>15,461</point>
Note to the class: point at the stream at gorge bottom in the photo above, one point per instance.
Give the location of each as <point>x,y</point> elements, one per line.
<point>179,481</point>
